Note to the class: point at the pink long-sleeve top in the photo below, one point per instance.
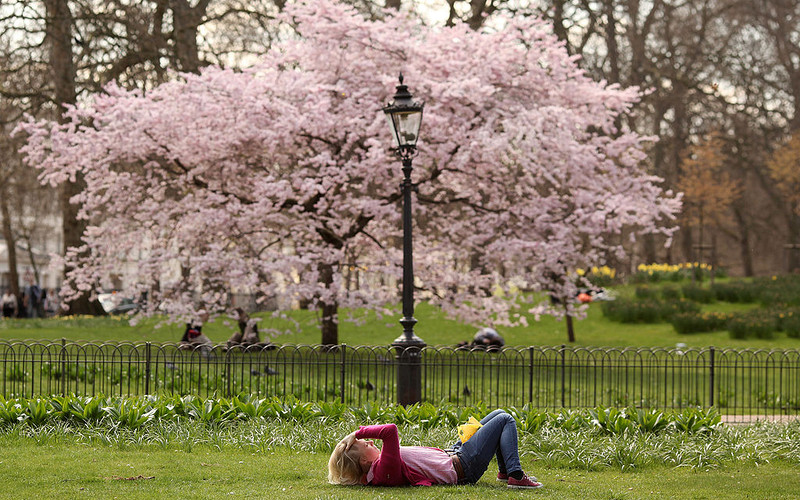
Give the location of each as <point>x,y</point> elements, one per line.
<point>403,465</point>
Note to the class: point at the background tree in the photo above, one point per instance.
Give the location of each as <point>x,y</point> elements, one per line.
<point>7,188</point>
<point>711,64</point>
<point>26,207</point>
<point>708,190</point>
<point>760,68</point>
<point>726,64</point>
<point>285,173</point>
<point>77,46</point>
<point>784,167</point>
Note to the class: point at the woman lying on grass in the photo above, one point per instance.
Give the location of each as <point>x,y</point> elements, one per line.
<point>358,461</point>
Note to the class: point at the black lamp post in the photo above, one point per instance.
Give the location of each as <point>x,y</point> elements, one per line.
<point>405,118</point>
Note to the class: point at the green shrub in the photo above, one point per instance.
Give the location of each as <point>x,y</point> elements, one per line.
<point>789,322</point>
<point>601,277</point>
<point>696,421</point>
<point>646,277</point>
<point>680,306</point>
<point>759,324</point>
<point>696,322</point>
<point>646,311</point>
<point>736,291</point>
<point>698,294</point>
<point>646,292</point>
<point>670,292</point>
<point>778,291</point>
<point>656,273</point>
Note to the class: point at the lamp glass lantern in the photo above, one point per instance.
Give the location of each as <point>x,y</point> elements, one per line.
<point>405,118</point>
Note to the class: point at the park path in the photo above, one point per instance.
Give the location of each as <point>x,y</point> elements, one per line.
<point>752,419</point>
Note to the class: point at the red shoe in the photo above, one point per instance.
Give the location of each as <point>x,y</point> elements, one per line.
<point>524,483</point>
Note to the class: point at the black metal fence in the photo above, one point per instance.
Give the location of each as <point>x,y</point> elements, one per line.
<point>739,383</point>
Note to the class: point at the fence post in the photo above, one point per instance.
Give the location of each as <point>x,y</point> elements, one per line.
<point>63,367</point>
<point>530,375</point>
<point>147,368</point>
<point>711,376</point>
<point>563,376</point>
<point>342,373</point>
<point>229,373</point>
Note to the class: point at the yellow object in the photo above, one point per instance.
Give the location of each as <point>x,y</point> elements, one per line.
<point>467,430</point>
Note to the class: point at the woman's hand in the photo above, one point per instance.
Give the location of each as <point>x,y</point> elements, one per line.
<point>349,440</point>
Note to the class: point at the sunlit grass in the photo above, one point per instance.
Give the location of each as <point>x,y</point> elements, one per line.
<point>370,329</point>
<point>288,460</point>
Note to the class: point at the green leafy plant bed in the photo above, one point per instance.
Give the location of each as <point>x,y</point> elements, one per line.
<point>655,273</point>
<point>698,294</point>
<point>136,413</point>
<point>697,322</point>
<point>781,291</point>
<point>758,323</point>
<point>646,311</point>
<point>790,323</point>
<point>736,291</point>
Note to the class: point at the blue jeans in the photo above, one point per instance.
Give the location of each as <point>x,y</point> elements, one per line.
<point>497,437</point>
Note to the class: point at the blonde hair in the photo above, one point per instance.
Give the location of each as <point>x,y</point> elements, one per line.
<point>344,466</point>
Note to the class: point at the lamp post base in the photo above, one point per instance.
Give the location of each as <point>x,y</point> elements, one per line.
<point>409,364</point>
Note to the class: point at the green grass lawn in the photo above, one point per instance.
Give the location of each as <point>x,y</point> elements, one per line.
<point>433,327</point>
<point>266,460</point>
<point>74,470</point>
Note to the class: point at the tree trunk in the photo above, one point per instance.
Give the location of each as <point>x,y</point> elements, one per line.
<point>611,42</point>
<point>32,260</point>
<point>185,21</point>
<point>570,330</point>
<point>713,256</point>
<point>329,323</point>
<point>11,244</point>
<point>649,248</point>
<point>59,38</point>
<point>687,243</point>
<point>744,243</point>
<point>793,257</point>
<point>394,4</point>
<point>62,67</point>
<point>478,15</point>
<point>558,22</point>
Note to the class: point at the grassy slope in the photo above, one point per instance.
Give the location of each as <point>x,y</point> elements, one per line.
<point>73,470</point>
<point>433,327</point>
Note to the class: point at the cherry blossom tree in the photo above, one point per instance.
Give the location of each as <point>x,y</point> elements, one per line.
<point>278,178</point>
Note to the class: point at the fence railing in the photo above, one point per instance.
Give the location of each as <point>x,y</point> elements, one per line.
<point>739,383</point>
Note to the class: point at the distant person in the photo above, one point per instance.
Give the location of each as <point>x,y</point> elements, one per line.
<point>50,303</point>
<point>488,337</point>
<point>485,338</point>
<point>9,304</point>
<point>193,337</point>
<point>32,299</point>
<point>41,303</point>
<point>248,330</point>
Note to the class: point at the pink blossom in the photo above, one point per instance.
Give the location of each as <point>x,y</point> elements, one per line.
<point>251,179</point>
